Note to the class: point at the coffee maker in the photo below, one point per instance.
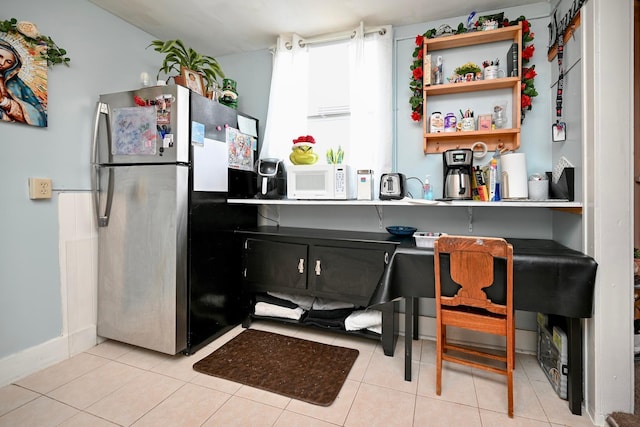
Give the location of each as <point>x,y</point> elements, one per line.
<point>457,168</point>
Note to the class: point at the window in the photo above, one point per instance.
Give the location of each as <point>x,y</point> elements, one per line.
<point>339,92</point>
<point>328,113</point>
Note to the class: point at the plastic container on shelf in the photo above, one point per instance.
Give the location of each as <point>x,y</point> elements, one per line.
<point>425,239</point>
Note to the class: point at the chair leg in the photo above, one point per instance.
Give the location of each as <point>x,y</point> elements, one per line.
<point>439,346</point>
<point>511,356</point>
<point>510,393</point>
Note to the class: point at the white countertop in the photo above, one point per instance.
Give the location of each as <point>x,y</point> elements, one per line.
<point>515,203</point>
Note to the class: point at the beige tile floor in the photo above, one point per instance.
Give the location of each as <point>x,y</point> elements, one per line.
<point>114,384</point>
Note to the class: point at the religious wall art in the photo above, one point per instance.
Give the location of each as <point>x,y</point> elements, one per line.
<point>25,56</point>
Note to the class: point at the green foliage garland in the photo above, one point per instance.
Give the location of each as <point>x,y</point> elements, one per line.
<point>50,52</point>
<point>528,90</point>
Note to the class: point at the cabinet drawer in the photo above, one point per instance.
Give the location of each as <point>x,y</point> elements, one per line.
<point>346,272</point>
<point>270,265</point>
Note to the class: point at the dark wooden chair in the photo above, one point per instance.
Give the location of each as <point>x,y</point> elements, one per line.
<point>478,274</point>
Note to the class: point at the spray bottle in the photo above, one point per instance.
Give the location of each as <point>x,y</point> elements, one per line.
<point>427,191</point>
<point>439,77</point>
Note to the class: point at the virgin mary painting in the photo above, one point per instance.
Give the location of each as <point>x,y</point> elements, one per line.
<point>22,75</point>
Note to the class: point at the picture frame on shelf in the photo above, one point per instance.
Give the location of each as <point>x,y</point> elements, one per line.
<point>484,121</point>
<point>193,80</point>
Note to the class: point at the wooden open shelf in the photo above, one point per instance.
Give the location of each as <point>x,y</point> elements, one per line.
<point>473,38</point>
<point>477,86</point>
<point>496,138</point>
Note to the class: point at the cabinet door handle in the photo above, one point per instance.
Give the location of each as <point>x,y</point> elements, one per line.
<point>301,266</point>
<point>318,269</point>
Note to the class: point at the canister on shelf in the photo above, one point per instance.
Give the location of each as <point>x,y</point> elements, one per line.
<point>450,122</point>
<point>365,184</point>
<point>436,122</point>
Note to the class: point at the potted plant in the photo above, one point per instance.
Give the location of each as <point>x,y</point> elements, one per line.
<point>467,71</point>
<point>178,55</point>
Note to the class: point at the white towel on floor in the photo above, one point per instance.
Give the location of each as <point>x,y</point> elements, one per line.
<point>305,302</point>
<point>326,304</point>
<point>363,319</point>
<point>272,310</point>
<point>377,329</point>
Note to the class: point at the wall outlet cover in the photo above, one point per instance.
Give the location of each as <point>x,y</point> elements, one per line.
<point>39,188</point>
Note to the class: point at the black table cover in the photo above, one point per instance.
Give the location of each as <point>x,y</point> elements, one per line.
<point>548,277</point>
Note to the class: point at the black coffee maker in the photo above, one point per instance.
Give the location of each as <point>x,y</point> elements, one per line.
<point>457,168</point>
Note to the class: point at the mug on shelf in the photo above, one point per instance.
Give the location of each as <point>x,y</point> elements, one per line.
<point>493,72</point>
<point>468,123</point>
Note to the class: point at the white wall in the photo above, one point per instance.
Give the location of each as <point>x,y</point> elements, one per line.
<point>608,140</point>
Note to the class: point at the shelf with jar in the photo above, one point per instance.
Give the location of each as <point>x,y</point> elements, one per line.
<point>496,137</point>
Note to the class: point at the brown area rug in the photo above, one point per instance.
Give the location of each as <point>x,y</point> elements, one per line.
<point>293,367</point>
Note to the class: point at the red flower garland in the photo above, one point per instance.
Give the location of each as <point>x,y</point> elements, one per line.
<point>528,89</point>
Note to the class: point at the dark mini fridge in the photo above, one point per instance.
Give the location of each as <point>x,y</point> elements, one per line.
<point>164,162</point>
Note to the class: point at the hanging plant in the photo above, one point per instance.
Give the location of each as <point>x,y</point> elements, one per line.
<point>528,75</point>
<point>45,47</point>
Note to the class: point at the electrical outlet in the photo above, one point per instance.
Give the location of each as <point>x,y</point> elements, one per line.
<point>39,188</point>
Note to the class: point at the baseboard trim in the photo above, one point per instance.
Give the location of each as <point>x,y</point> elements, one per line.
<point>34,359</point>
<point>39,357</point>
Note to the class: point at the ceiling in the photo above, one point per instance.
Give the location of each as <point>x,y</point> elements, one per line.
<point>222,27</point>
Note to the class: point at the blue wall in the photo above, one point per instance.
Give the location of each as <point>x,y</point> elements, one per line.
<point>108,55</point>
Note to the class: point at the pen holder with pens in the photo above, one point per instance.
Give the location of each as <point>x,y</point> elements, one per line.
<point>467,122</point>
<point>564,188</point>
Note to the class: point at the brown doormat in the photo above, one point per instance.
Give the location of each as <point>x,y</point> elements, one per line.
<point>293,367</point>
<point>622,419</point>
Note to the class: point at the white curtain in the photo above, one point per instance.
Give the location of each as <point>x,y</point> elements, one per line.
<point>370,77</point>
<point>371,133</point>
<point>288,98</point>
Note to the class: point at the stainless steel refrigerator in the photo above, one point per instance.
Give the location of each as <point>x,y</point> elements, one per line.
<point>168,257</point>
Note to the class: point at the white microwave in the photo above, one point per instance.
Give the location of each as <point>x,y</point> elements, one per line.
<point>320,181</point>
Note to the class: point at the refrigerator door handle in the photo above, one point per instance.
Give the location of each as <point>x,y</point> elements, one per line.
<point>101,109</point>
<point>103,220</point>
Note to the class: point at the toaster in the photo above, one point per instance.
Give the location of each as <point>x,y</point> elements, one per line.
<point>392,186</point>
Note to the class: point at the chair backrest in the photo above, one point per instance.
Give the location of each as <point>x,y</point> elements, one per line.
<point>471,266</point>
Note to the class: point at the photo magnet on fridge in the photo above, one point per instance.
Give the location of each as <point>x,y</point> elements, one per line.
<point>559,131</point>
